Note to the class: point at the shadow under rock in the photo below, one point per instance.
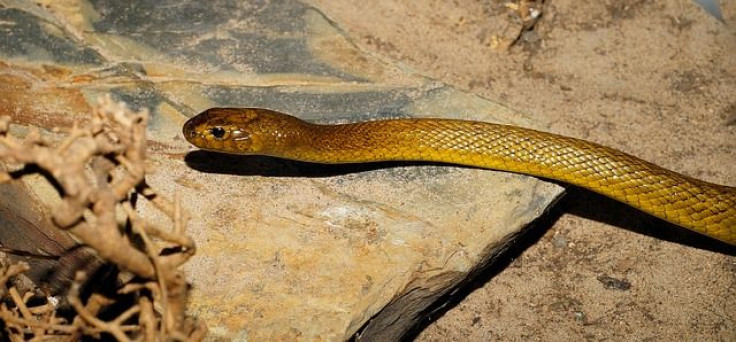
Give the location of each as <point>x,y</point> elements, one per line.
<point>579,202</point>
<point>483,274</point>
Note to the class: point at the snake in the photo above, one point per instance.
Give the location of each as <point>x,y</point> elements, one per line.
<point>697,205</point>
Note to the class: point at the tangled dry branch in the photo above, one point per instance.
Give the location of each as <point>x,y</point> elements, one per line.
<point>99,172</point>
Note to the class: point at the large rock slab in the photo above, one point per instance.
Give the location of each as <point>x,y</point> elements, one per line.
<point>286,250</point>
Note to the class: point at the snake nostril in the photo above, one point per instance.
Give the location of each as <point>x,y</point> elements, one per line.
<point>217,132</point>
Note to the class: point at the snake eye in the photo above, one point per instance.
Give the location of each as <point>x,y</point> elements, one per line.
<point>217,132</point>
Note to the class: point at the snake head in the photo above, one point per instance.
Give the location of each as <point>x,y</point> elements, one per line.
<point>240,130</point>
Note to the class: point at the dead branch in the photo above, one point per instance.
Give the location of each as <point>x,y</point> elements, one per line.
<point>99,169</point>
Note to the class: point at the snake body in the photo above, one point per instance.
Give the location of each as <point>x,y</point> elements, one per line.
<point>694,204</point>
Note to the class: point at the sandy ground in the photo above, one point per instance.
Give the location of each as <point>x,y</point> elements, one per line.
<point>653,78</point>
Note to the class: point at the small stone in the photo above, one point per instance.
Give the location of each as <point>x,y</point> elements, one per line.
<point>611,283</point>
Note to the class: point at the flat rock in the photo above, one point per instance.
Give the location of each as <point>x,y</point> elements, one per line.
<point>287,250</point>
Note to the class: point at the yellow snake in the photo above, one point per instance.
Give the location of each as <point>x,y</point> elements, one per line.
<point>697,205</point>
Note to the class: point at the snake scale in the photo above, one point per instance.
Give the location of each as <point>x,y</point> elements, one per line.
<point>703,207</point>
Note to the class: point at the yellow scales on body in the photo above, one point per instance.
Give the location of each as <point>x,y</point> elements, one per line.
<point>697,205</point>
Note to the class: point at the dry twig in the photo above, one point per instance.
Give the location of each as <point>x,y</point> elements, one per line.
<point>99,171</point>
